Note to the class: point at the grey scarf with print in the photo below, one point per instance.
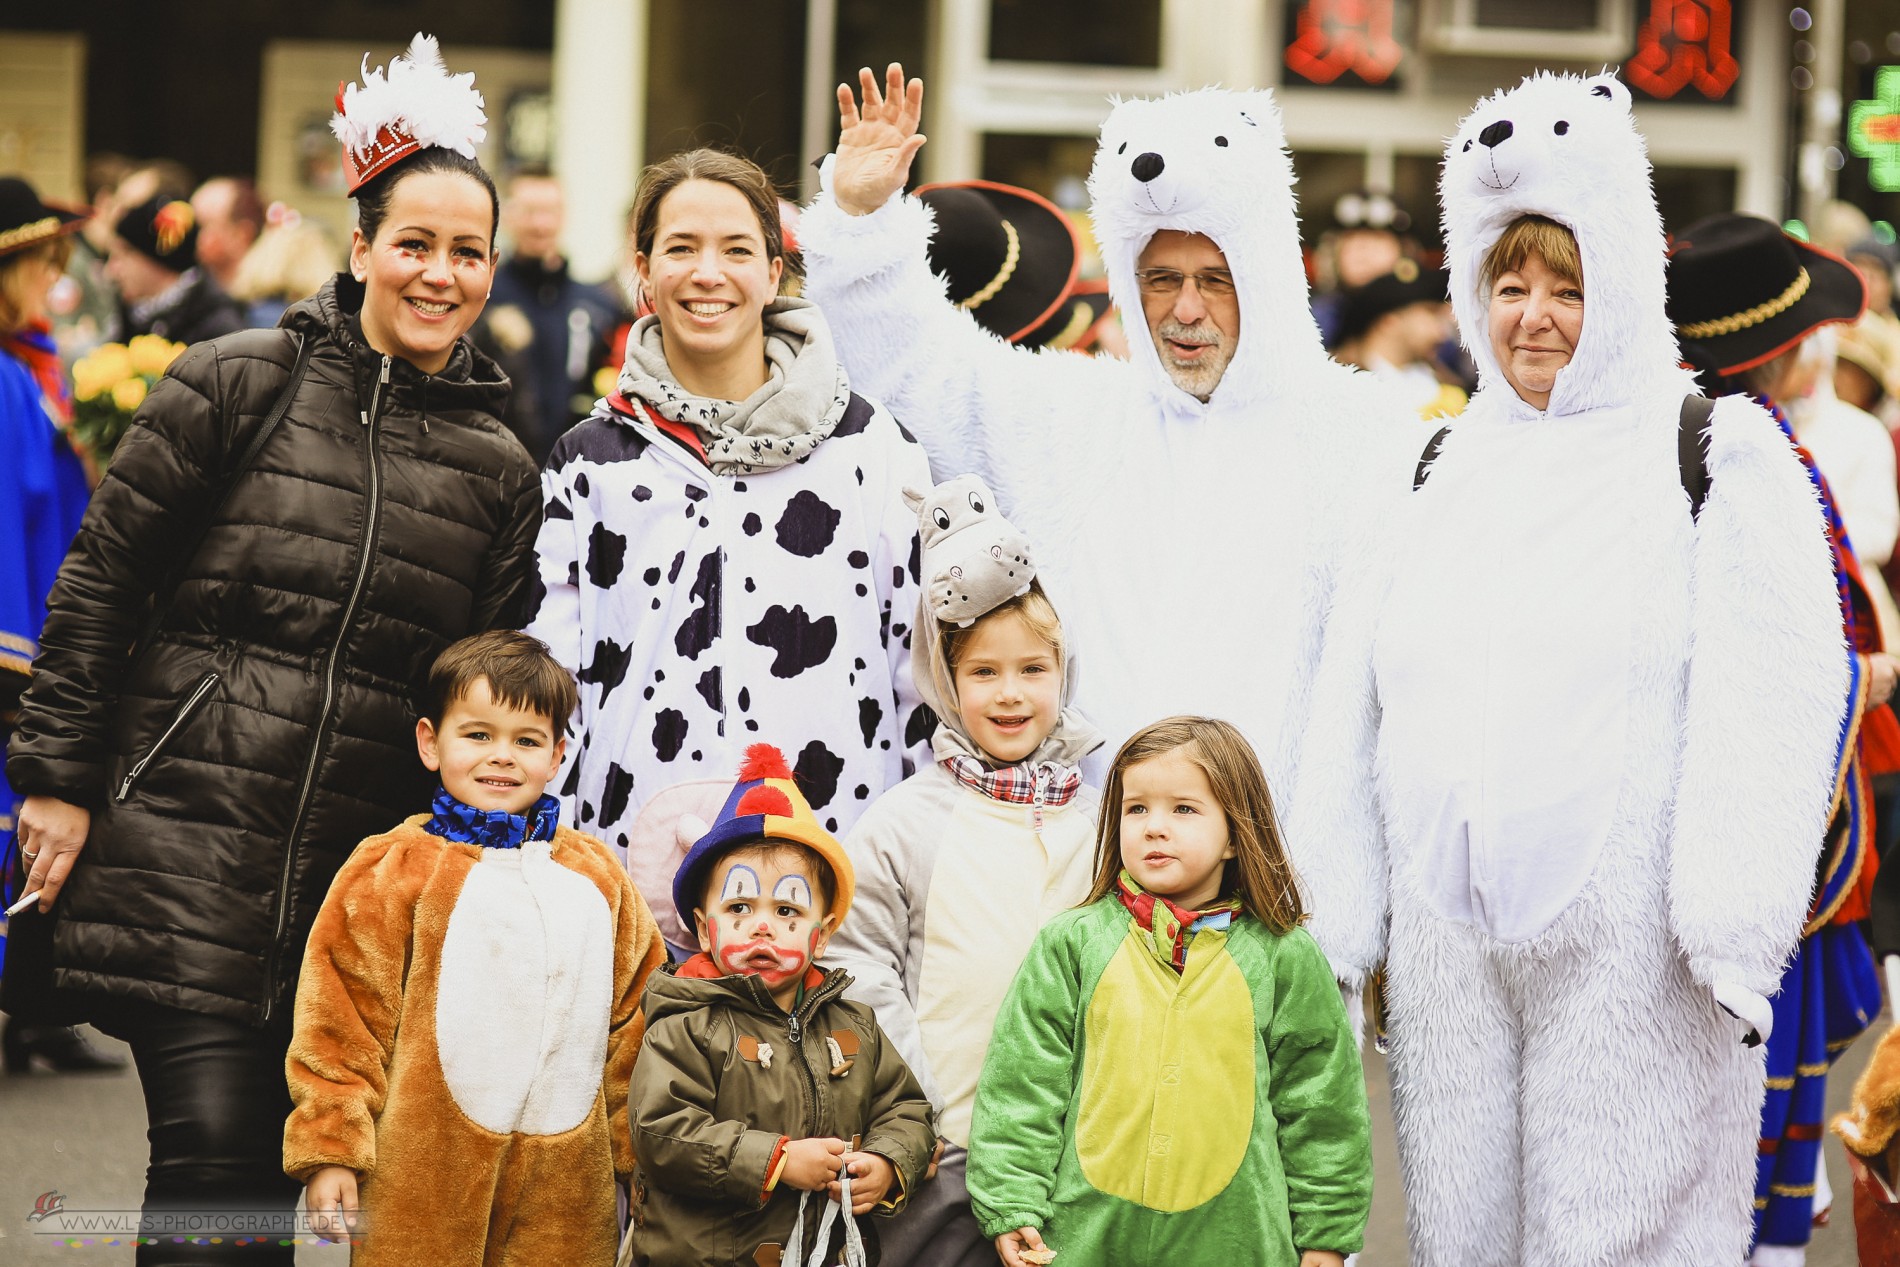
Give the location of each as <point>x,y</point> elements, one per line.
<point>804,395</point>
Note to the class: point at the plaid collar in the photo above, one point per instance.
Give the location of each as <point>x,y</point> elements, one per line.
<point>492,829</point>
<point>1045,784</point>
<point>1166,928</point>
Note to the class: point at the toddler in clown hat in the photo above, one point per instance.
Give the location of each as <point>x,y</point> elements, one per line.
<point>762,1097</point>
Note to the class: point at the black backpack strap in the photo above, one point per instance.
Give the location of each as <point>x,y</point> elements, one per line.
<point>162,597</point>
<point>1692,451</point>
<point>1430,455</point>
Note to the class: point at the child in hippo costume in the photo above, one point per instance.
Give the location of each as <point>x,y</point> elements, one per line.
<point>1230,425</point>
<point>1574,735</point>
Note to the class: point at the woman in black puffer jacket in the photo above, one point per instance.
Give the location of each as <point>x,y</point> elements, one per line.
<point>197,778</point>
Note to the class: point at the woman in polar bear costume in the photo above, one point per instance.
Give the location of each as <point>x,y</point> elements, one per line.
<point>1573,743</point>
<point>1190,529</point>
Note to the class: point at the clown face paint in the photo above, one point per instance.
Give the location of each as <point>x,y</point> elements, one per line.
<point>765,916</point>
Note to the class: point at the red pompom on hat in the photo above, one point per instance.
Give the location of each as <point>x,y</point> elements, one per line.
<point>415,106</point>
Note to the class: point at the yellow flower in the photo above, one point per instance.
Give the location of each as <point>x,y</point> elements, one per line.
<point>111,363</point>
<point>152,355</point>
<point>606,381</point>
<point>86,383</point>
<point>129,395</point>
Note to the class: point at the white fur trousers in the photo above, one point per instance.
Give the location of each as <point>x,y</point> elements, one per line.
<point>1575,1099</point>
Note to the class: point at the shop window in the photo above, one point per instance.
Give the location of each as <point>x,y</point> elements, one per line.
<point>1077,32</point>
<point>1685,195</point>
<point>742,89</point>
<point>1055,166</point>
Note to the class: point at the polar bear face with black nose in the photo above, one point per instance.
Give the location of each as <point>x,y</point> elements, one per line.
<point>1564,147</point>
<point>1215,163</point>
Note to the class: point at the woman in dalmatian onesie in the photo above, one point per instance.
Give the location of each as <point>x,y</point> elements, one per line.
<point>1186,515</point>
<point>727,558</point>
<point>1573,744</point>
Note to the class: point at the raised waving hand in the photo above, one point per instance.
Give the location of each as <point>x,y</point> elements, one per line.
<point>876,139</point>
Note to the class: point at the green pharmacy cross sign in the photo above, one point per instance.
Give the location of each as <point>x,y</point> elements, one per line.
<point>1873,130</point>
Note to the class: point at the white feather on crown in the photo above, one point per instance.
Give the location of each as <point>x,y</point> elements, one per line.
<point>417,99</point>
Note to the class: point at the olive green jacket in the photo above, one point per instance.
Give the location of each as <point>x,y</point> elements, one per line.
<point>723,1077</point>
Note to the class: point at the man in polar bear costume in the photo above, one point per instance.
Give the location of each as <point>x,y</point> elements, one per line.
<point>1186,503</point>
<point>1573,740</point>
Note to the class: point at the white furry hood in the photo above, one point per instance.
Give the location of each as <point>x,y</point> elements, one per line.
<point>1217,164</point>
<point>1565,147</point>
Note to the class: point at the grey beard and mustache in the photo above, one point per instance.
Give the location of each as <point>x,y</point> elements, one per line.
<point>1200,377</point>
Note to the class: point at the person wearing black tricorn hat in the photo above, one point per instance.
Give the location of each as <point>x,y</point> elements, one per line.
<point>296,524</point>
<point>1744,296</point>
<point>162,290</point>
<point>1392,326</point>
<point>1007,256</point>
<point>42,494</point>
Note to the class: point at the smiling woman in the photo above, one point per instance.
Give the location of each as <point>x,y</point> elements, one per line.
<point>297,524</point>
<point>1535,280</point>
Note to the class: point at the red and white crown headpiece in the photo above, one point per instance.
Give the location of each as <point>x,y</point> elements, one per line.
<point>418,104</point>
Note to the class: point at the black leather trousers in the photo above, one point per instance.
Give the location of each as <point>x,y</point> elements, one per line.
<point>215,1104</point>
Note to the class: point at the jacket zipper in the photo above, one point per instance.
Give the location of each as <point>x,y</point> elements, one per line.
<point>366,553</point>
<point>198,692</point>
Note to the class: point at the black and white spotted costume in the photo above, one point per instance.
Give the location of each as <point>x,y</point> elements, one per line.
<point>703,613</point>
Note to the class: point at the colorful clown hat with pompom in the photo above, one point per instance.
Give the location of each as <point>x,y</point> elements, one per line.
<point>765,805</point>
<point>417,105</point>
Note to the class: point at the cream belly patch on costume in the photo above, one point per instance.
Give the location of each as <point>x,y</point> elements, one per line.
<point>525,993</point>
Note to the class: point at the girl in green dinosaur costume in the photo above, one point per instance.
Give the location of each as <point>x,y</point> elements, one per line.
<point>1172,1078</point>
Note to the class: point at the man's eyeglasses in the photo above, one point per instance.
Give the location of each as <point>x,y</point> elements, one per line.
<point>1168,281</point>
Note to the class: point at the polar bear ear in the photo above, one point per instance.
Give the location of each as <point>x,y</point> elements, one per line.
<point>688,830</point>
<point>1608,86</point>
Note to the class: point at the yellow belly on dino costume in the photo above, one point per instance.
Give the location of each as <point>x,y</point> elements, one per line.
<point>1168,1077</point>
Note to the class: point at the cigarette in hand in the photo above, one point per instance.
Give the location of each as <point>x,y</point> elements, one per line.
<point>23,903</point>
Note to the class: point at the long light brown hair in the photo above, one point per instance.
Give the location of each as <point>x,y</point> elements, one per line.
<point>1259,873</point>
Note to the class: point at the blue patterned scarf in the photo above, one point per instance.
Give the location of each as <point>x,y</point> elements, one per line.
<point>492,828</point>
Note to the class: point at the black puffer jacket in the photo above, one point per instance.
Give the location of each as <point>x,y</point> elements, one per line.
<point>269,725</point>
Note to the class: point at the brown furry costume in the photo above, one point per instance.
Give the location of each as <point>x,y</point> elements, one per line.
<point>466,1027</point>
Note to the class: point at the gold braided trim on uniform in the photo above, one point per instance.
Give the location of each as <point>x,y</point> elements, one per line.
<point>1811,1071</point>
<point>1791,1189</point>
<point>1010,257</point>
<point>12,663</point>
<point>14,642</point>
<point>1751,317</point>
<point>1761,1203</point>
<point>1778,1084</point>
<point>1842,1044</point>
<point>28,232</point>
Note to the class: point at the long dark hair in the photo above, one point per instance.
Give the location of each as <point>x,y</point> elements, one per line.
<point>1259,873</point>
<point>372,200</point>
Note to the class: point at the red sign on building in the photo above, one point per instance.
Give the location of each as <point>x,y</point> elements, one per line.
<point>1332,38</point>
<point>1683,43</point>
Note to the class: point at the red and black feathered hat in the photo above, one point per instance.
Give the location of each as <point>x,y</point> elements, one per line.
<point>415,106</point>
<point>26,221</point>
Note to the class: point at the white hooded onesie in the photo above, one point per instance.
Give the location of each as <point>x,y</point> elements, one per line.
<point>1192,542</point>
<point>1584,743</point>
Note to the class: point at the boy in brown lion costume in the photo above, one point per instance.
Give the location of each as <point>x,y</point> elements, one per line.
<point>468,1014</point>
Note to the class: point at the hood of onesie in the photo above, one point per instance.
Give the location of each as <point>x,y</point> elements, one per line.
<point>1565,147</point>
<point>1213,162</point>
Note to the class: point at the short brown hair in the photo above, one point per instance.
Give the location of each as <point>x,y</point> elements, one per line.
<point>1031,606</point>
<point>1259,873</point>
<point>519,670</point>
<point>744,175</point>
<point>55,250</point>
<point>1529,236</point>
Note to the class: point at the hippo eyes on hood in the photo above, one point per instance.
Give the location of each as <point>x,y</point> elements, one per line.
<point>941,517</point>
<point>1221,141</point>
<point>1560,127</point>
<point>976,503</point>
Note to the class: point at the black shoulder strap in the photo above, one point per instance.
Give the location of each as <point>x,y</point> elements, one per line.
<point>1428,457</point>
<point>176,574</point>
<point>1692,453</point>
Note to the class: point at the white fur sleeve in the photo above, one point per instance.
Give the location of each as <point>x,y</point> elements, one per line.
<point>977,404</point>
<point>1768,677</point>
<point>1334,828</point>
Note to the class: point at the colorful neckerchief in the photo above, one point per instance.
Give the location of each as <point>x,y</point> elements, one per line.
<point>1168,927</point>
<point>33,347</point>
<point>492,828</point>
<point>1044,784</point>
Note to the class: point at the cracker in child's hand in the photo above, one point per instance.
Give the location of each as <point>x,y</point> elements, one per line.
<point>1039,1257</point>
